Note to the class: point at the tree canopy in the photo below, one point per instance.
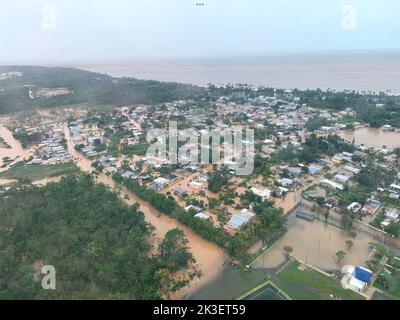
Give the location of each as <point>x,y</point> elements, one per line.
<point>100,247</point>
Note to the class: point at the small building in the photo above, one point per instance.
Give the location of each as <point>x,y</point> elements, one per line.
<point>363,274</point>
<point>392,214</point>
<point>264,194</point>
<point>127,174</point>
<point>314,169</point>
<point>196,185</point>
<point>394,188</point>
<point>180,192</point>
<point>280,191</point>
<point>161,182</point>
<point>294,170</point>
<point>356,285</point>
<point>193,208</point>
<point>111,169</point>
<point>332,184</point>
<point>35,161</point>
<point>341,178</point>
<point>285,182</point>
<point>239,221</point>
<point>347,155</point>
<point>202,216</point>
<point>372,205</point>
<point>354,207</point>
<point>356,279</point>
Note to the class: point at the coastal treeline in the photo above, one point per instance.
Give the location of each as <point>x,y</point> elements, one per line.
<point>100,247</point>
<point>84,87</point>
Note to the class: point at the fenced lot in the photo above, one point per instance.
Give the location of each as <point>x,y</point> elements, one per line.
<point>308,284</point>
<point>393,281</point>
<point>267,292</point>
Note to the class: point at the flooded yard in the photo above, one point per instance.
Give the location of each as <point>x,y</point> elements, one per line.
<point>316,243</point>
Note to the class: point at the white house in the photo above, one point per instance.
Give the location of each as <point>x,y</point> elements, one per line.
<point>264,194</point>
<point>161,182</point>
<point>332,184</point>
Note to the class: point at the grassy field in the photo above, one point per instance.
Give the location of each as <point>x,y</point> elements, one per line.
<point>394,284</point>
<point>381,296</point>
<point>21,171</point>
<point>311,285</point>
<point>268,292</point>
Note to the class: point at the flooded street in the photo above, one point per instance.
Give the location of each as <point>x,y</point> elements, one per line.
<point>316,243</point>
<point>208,255</point>
<point>373,137</point>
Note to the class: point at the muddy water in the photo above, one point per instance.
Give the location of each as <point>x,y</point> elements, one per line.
<point>373,137</point>
<point>16,151</point>
<point>316,243</point>
<point>288,202</point>
<point>209,256</point>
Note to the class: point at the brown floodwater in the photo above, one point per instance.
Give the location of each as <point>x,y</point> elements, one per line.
<point>373,137</point>
<point>288,202</point>
<point>317,243</point>
<point>210,258</point>
<point>16,151</point>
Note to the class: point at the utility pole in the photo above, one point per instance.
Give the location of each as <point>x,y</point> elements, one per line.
<point>319,245</point>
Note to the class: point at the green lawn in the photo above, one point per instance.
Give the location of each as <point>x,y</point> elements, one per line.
<point>311,285</point>
<point>21,171</point>
<point>135,149</point>
<point>268,292</point>
<point>380,296</point>
<point>394,284</point>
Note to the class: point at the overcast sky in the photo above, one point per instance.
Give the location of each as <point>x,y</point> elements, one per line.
<point>113,30</point>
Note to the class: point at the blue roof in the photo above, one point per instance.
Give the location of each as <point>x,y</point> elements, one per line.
<point>314,169</point>
<point>363,274</point>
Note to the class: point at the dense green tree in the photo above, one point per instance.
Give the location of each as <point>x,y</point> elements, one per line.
<point>100,247</point>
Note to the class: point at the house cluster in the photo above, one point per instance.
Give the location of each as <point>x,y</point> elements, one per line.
<point>391,215</point>
<point>52,148</point>
<point>86,137</point>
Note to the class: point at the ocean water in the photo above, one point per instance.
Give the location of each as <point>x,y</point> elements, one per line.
<point>379,71</point>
